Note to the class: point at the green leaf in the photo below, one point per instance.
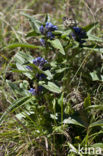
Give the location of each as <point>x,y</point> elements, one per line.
<point>57,45</point>
<point>34,22</point>
<point>60,70</point>
<point>100,145</point>
<point>20,71</point>
<point>21,58</point>
<point>94,48</point>
<point>87,101</point>
<point>48,74</point>
<point>32,33</point>
<point>89,28</point>
<point>47,18</point>
<point>94,38</point>
<point>66,33</point>
<point>97,123</point>
<point>54,116</point>
<point>14,87</point>
<point>51,87</point>
<point>15,105</point>
<point>94,76</point>
<point>24,84</point>
<point>72,121</point>
<point>58,32</point>
<point>100,107</point>
<point>23,45</point>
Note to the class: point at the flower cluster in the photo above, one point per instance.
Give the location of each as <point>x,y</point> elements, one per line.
<point>79,34</point>
<point>40,62</point>
<point>47,31</point>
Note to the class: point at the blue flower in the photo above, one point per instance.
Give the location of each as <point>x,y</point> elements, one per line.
<point>41,76</point>
<point>47,31</point>
<point>77,29</point>
<point>34,91</point>
<point>40,62</point>
<point>42,41</point>
<point>79,34</point>
<point>50,27</point>
<point>42,30</point>
<point>50,35</point>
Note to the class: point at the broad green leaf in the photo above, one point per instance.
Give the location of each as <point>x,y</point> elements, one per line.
<point>57,45</point>
<point>58,32</point>
<point>15,105</point>
<point>60,70</point>
<point>14,87</point>
<point>20,59</point>
<point>34,22</point>
<point>51,87</point>
<point>94,76</point>
<point>48,74</point>
<point>24,84</point>
<point>100,145</point>
<point>97,123</point>
<point>20,116</point>
<point>72,121</point>
<point>94,38</point>
<point>66,33</point>
<point>54,116</point>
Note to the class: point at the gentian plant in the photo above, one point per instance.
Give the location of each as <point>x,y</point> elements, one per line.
<point>49,95</point>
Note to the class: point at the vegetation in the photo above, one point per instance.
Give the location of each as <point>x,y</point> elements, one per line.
<point>51,78</point>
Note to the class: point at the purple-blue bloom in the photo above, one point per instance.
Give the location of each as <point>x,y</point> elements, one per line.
<point>41,76</point>
<point>47,31</point>
<point>79,34</point>
<point>50,35</point>
<point>42,30</point>
<point>50,27</point>
<point>40,62</point>
<point>34,91</point>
